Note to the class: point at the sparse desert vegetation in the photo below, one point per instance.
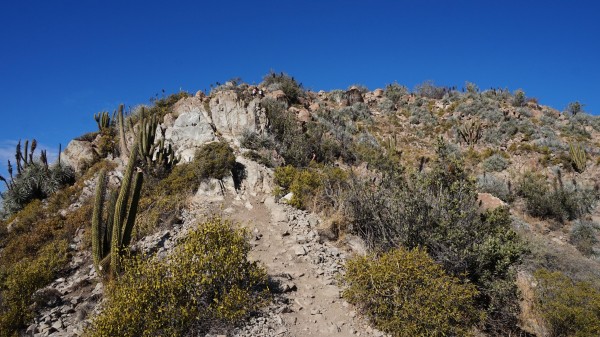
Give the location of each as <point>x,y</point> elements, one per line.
<point>451,194</point>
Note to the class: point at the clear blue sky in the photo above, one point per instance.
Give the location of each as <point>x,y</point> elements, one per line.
<point>62,61</point>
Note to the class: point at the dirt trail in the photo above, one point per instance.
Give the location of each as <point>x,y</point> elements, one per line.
<point>305,271</point>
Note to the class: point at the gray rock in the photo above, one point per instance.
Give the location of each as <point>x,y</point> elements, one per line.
<point>58,324</point>
<point>77,153</point>
<point>299,250</point>
<point>47,297</point>
<point>31,329</point>
<point>191,130</point>
<point>232,117</point>
<point>258,178</point>
<point>301,239</point>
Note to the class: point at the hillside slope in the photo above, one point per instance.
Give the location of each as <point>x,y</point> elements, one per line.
<point>498,189</point>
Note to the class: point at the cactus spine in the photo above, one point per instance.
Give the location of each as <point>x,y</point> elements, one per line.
<point>578,157</point>
<point>109,239</point>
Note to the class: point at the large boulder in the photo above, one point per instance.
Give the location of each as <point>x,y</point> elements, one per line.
<point>258,178</point>
<point>232,116</point>
<point>353,95</point>
<point>192,128</point>
<point>301,114</point>
<point>78,154</point>
<point>191,104</point>
<point>487,201</point>
<point>278,95</point>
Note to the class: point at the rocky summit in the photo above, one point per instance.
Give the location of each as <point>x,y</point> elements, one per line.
<point>274,210</point>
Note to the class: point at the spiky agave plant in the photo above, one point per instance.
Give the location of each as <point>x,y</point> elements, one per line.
<point>35,178</point>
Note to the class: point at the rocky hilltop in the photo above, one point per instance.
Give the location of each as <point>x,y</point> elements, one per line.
<point>342,196</point>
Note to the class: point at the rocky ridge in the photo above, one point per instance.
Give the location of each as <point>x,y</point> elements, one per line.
<point>302,264</point>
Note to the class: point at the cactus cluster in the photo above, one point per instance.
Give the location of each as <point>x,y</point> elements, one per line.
<point>103,120</point>
<point>578,157</point>
<point>155,155</point>
<point>112,234</point>
<point>470,132</point>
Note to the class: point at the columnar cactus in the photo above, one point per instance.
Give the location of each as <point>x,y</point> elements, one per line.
<point>103,120</point>
<point>110,238</point>
<point>97,230</point>
<point>578,157</point>
<point>154,153</point>
<point>122,139</point>
<point>470,132</point>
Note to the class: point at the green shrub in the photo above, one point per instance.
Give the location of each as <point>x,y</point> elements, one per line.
<point>394,92</point>
<point>387,105</point>
<point>282,81</point>
<point>437,210</point>
<point>569,308</point>
<point>584,236</point>
<point>253,141</point>
<point>406,293</point>
<point>162,202</point>
<point>562,202</point>
<point>317,187</point>
<point>284,176</point>
<point>575,131</point>
<point>164,105</point>
<point>519,98</point>
<point>215,160</point>
<point>496,186</point>
<point>21,280</point>
<point>206,282</point>
<point>495,163</point>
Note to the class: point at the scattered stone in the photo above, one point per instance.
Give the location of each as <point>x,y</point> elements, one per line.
<point>299,250</point>
<point>47,297</point>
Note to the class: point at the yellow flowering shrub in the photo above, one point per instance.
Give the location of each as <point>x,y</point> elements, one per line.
<point>205,282</point>
<point>569,308</point>
<point>406,293</point>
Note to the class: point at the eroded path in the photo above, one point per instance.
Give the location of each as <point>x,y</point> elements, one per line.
<point>305,271</point>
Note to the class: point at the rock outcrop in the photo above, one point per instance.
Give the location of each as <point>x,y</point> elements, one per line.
<point>232,116</point>
<point>77,153</point>
<point>192,128</point>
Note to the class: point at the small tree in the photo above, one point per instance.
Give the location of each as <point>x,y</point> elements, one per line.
<point>574,108</point>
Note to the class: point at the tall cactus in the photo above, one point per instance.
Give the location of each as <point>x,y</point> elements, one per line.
<point>155,154</point>
<point>578,157</point>
<point>122,139</point>
<point>109,239</point>
<point>103,120</point>
<point>97,230</point>
<point>470,132</point>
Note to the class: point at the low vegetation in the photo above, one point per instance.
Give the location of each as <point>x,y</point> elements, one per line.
<point>569,308</point>
<point>561,202</point>
<point>437,210</point>
<point>404,292</point>
<point>438,263</point>
<point>205,285</point>
<point>35,250</point>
